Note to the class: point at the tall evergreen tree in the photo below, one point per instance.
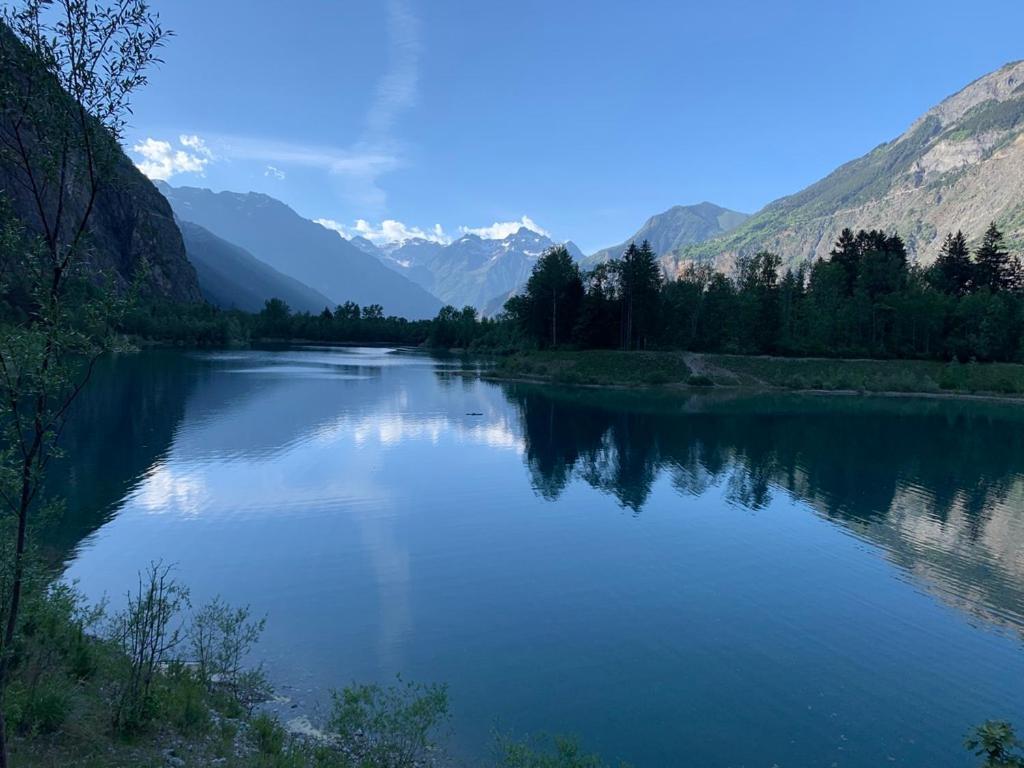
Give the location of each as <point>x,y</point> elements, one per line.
<point>993,267</point>
<point>553,295</point>
<point>640,281</point>
<point>953,271</point>
<point>847,253</point>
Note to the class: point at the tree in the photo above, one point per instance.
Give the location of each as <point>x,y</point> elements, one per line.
<point>846,254</point>
<point>552,297</point>
<point>758,287</point>
<point>953,271</point>
<point>68,69</point>
<point>640,282</point>
<point>993,266</point>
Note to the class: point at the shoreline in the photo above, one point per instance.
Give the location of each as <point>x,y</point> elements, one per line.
<point>707,374</point>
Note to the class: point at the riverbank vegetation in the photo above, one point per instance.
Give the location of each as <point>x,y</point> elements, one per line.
<point>675,369</point>
<point>865,300</point>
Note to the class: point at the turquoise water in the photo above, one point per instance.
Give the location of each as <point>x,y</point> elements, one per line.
<point>708,581</point>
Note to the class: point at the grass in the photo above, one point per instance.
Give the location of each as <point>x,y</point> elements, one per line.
<point>902,376</point>
<point>597,367</point>
<point>669,369</point>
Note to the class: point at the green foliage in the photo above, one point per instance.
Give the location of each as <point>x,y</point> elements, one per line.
<point>557,752</point>
<point>268,735</point>
<point>220,638</point>
<point>597,367</point>
<point>996,741</point>
<point>147,630</point>
<point>393,727</point>
<point>550,306</point>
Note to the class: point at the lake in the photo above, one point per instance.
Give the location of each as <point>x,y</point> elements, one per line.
<point>732,580</point>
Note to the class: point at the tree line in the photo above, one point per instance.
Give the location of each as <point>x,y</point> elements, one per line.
<point>865,299</point>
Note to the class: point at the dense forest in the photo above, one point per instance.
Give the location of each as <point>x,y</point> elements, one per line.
<point>865,300</point>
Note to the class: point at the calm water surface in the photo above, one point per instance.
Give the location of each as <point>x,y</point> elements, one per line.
<point>774,581</point>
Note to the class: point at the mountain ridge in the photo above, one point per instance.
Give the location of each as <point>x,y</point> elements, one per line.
<point>959,165</point>
<point>677,226</point>
<point>276,235</point>
<point>232,278</point>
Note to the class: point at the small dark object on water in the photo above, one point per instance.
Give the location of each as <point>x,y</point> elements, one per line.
<point>474,413</point>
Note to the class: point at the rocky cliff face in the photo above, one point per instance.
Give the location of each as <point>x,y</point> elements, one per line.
<point>959,166</point>
<point>131,223</point>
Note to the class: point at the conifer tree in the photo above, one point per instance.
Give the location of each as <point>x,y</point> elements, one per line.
<point>993,267</point>
<point>953,272</point>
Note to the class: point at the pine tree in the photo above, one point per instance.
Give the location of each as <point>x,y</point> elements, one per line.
<point>953,272</point>
<point>847,253</point>
<point>993,267</point>
<point>640,279</point>
<point>554,292</point>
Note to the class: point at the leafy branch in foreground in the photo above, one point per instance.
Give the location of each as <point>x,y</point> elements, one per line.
<point>68,69</point>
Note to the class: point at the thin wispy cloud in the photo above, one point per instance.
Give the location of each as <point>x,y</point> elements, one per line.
<point>396,90</point>
<point>357,166</point>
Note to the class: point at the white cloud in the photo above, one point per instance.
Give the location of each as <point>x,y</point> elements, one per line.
<point>196,144</point>
<point>499,230</point>
<point>388,232</point>
<point>160,160</point>
<point>274,172</point>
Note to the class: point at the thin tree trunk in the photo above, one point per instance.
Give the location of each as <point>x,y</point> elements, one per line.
<point>554,318</point>
<point>4,763</point>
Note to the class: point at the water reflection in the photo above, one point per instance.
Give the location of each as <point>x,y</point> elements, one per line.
<point>937,484</point>
<point>654,573</point>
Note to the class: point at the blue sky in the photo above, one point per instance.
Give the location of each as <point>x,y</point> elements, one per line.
<point>584,117</point>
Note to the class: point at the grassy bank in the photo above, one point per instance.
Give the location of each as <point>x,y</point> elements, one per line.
<point>896,376</point>
<point>675,369</point>
<point>597,367</point>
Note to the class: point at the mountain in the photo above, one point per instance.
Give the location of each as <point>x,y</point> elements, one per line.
<point>678,226</point>
<point>131,224</point>
<point>959,166</point>
<point>232,278</point>
<point>471,270</point>
<point>277,236</point>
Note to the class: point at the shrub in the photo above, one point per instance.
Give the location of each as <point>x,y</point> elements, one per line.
<point>41,708</point>
<point>268,735</point>
<point>183,700</point>
<point>394,727</point>
<point>558,752</point>
<point>700,380</point>
<point>220,639</point>
<point>145,634</point>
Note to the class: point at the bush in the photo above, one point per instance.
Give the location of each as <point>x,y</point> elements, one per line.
<point>41,708</point>
<point>394,727</point>
<point>558,752</point>
<point>220,639</point>
<point>145,634</point>
<point>268,735</point>
<point>700,380</point>
<point>183,701</point>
